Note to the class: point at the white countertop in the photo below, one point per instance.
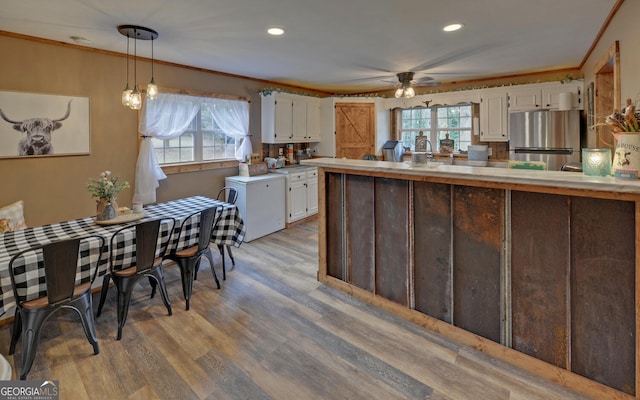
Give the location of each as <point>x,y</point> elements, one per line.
<point>291,170</point>
<point>572,180</point>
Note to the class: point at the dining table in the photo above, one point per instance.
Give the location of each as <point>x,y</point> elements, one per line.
<point>229,231</point>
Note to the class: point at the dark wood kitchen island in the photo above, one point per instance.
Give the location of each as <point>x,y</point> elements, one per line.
<point>536,268</point>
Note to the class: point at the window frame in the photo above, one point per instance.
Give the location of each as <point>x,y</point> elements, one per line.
<point>202,165</point>
<point>433,130</point>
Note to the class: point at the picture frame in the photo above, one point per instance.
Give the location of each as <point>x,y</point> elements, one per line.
<point>43,125</point>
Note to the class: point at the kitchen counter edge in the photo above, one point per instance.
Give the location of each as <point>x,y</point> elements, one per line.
<point>562,179</point>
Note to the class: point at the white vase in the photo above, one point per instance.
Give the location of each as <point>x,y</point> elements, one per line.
<point>627,153</point>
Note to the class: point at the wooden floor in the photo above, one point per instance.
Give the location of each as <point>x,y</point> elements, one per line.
<point>271,332</point>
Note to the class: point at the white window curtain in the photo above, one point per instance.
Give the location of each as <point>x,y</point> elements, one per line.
<point>232,116</point>
<point>167,117</point>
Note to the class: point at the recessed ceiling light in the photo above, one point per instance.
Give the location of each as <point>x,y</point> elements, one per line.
<point>452,27</point>
<point>275,30</point>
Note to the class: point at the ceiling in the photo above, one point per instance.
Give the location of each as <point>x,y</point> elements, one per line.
<point>335,46</point>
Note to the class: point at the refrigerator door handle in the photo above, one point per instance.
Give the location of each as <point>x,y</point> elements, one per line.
<point>543,150</point>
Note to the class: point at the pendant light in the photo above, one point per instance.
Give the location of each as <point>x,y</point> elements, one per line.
<point>133,98</point>
<point>126,93</point>
<point>152,88</point>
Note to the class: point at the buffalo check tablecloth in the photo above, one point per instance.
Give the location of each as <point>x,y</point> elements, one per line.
<point>229,231</point>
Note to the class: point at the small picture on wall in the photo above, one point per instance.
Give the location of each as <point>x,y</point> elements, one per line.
<point>36,125</point>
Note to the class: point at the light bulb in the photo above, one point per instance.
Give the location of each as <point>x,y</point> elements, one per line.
<point>135,100</point>
<point>409,92</point>
<point>152,90</point>
<point>126,96</point>
<point>399,93</point>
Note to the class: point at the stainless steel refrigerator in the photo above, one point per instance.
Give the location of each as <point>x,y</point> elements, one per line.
<point>549,136</point>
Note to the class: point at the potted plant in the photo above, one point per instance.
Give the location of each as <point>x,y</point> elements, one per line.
<point>105,190</point>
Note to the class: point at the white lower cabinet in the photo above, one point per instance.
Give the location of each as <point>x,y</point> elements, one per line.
<point>312,191</point>
<point>261,202</point>
<point>301,192</point>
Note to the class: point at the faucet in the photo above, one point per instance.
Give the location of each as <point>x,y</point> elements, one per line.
<point>430,152</point>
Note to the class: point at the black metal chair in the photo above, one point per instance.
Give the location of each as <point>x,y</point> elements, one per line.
<point>61,261</point>
<point>188,259</point>
<point>150,248</point>
<point>230,195</point>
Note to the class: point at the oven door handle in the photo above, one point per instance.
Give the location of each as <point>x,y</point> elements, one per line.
<point>543,150</point>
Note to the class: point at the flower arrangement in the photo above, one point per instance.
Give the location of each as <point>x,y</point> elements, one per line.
<point>624,122</point>
<point>106,187</point>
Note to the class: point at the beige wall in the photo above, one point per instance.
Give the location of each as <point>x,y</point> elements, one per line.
<point>53,187</point>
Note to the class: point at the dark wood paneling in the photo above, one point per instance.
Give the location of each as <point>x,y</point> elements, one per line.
<point>602,291</point>
<point>335,217</point>
<point>360,231</point>
<point>392,239</point>
<point>432,249</point>
<point>478,221</point>
<point>539,276</point>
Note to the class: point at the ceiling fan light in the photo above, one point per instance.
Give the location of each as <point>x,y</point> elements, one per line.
<point>409,92</point>
<point>399,92</point>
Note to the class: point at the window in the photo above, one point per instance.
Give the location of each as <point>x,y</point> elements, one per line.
<point>202,141</point>
<point>440,122</point>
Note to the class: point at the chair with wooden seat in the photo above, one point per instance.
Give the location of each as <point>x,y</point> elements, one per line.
<point>150,248</point>
<point>58,263</point>
<point>230,195</point>
<point>188,259</point>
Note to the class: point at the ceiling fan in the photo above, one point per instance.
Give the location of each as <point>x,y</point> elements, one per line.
<point>407,82</point>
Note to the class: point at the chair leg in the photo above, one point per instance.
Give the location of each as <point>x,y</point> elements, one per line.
<point>103,293</point>
<point>17,330</point>
<point>209,256</point>
<point>125,287</point>
<point>158,275</point>
<point>187,274</point>
<point>224,272</point>
<point>153,284</point>
<point>85,310</point>
<point>31,323</point>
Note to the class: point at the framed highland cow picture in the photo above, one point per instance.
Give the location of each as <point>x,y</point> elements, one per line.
<point>42,125</point>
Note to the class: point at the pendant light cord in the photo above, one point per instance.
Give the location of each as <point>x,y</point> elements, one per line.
<point>135,61</point>
<point>127,62</point>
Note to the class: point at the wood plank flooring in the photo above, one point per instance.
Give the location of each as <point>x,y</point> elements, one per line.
<point>271,332</point>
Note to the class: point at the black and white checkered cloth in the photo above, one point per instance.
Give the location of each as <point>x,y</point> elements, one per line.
<point>229,231</point>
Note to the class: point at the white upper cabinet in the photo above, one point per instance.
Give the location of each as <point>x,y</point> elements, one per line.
<point>314,128</point>
<point>552,96</point>
<point>494,116</point>
<point>545,97</point>
<point>290,118</point>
